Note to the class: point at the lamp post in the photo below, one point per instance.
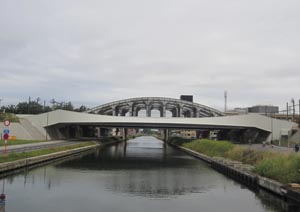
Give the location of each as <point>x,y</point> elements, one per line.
<point>293,104</point>
<point>47,126</point>
<point>299,115</point>
<point>272,129</point>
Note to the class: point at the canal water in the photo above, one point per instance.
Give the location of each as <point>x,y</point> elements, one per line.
<point>141,176</point>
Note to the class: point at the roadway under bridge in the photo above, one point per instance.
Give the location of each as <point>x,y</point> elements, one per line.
<point>58,124</point>
<point>177,107</point>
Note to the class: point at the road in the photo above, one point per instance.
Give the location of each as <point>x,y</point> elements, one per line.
<point>273,148</point>
<point>37,146</point>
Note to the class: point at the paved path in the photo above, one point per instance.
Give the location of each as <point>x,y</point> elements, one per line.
<point>260,147</point>
<point>36,146</point>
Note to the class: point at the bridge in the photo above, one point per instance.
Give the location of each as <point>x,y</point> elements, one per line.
<point>123,114</point>
<point>177,107</point>
<point>59,124</point>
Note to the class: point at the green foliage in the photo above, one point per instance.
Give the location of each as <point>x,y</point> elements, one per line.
<point>9,116</point>
<point>34,107</point>
<point>82,108</point>
<point>64,106</point>
<point>210,147</point>
<point>178,140</point>
<point>23,155</point>
<point>246,155</point>
<point>281,167</point>
<point>284,168</point>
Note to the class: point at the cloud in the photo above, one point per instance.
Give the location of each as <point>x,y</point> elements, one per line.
<point>92,52</point>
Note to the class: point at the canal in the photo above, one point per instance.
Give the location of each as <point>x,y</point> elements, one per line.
<point>142,175</point>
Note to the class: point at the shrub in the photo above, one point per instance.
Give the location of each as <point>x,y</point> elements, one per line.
<point>281,167</point>
<point>210,147</point>
<point>284,168</point>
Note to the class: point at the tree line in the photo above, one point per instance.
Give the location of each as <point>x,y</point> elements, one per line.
<point>34,107</point>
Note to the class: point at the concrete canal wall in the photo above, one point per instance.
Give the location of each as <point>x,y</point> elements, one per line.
<point>243,173</point>
<point>18,164</point>
<point>9,166</point>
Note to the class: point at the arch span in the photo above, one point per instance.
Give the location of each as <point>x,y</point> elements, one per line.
<point>177,107</point>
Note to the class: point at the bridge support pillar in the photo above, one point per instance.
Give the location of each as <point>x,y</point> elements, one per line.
<point>148,111</point>
<point>130,110</point>
<point>135,111</point>
<point>180,111</point>
<point>114,112</point>
<point>163,111</point>
<point>181,114</point>
<point>166,135</point>
<point>125,133</point>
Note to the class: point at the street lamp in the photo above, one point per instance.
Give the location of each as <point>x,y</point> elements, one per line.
<point>47,126</point>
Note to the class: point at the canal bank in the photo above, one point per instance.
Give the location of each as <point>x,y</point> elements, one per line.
<point>12,166</point>
<point>243,173</point>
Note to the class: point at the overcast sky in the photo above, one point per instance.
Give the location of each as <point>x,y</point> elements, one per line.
<point>95,51</point>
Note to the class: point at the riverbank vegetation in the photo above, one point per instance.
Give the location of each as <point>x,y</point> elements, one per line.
<point>22,155</point>
<point>283,167</point>
<point>8,116</point>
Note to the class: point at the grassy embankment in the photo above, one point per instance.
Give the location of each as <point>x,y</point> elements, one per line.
<point>17,156</point>
<point>283,167</point>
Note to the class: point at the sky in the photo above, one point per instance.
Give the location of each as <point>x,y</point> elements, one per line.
<point>93,52</point>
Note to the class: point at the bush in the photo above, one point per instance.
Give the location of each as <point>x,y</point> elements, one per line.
<point>210,147</point>
<point>281,167</point>
<point>178,140</point>
<point>9,116</point>
<point>284,168</point>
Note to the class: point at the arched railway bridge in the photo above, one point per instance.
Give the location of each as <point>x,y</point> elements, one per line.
<point>177,107</point>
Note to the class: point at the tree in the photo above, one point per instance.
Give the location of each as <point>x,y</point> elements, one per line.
<point>33,107</point>
<point>64,106</point>
<point>29,108</point>
<point>82,108</point>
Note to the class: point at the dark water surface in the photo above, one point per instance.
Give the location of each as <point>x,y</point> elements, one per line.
<point>141,176</point>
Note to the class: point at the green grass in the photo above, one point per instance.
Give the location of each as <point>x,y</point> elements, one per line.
<point>17,156</point>
<point>178,140</point>
<point>8,116</point>
<point>16,142</point>
<point>210,147</point>
<point>283,167</point>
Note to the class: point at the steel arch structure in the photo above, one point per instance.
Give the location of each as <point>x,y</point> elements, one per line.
<point>178,108</point>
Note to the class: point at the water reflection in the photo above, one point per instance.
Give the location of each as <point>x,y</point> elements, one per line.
<point>144,168</point>
<point>274,203</point>
<point>2,197</point>
<point>140,176</point>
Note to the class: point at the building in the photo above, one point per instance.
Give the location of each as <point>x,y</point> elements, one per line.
<point>189,134</point>
<point>267,109</point>
<point>188,98</point>
<point>262,109</point>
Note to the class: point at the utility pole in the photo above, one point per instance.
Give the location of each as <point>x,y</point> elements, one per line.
<point>29,100</point>
<point>299,115</point>
<point>293,102</point>
<point>287,111</point>
<point>4,109</point>
<point>225,97</point>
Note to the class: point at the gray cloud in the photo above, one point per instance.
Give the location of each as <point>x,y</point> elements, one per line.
<point>91,52</point>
